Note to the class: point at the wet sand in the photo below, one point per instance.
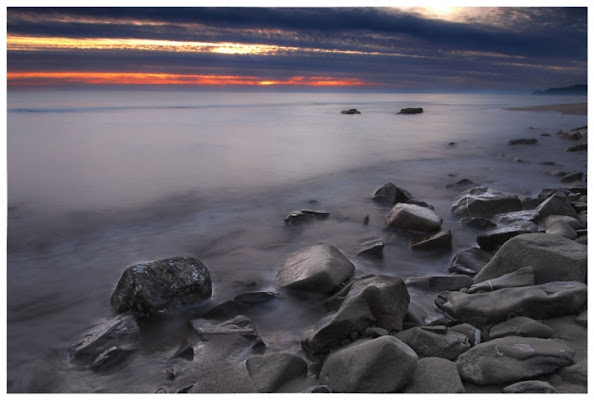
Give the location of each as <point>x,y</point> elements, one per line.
<point>573,109</point>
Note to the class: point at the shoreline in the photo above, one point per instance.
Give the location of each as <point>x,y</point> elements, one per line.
<point>573,109</point>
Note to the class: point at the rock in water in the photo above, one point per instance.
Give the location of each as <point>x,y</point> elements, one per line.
<point>512,359</point>
<point>320,269</point>
<point>483,202</point>
<point>411,110</point>
<point>270,371</point>
<point>350,111</point>
<point>380,365</point>
<point>390,194</point>
<point>557,204</point>
<point>442,240</point>
<point>301,216</point>
<point>435,375</point>
<point>554,258</point>
<point>428,343</point>
<point>413,217</point>
<point>522,141</point>
<point>159,286</point>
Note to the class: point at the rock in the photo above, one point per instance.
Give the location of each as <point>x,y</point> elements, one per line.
<point>411,110</point>
<point>372,250</point>
<point>375,332</point>
<point>579,207</point>
<point>366,220</point>
<point>513,358</point>
<point>575,188</point>
<point>161,389</point>
<point>270,371</point>
<point>381,365</point>
<point>380,301</point>
<point>578,147</point>
<point>481,202</point>
<point>554,258</point>
<point>477,222</point>
<point>558,225</point>
<point>301,216</point>
<point>522,141</point>
<point>530,387</point>
<point>170,373</point>
<point>494,239</point>
<point>157,287</point>
<point>576,176</point>
<point>576,373</point>
<point>390,194</point>
<point>121,331</point>
<point>555,172</point>
<point>472,333</point>
<point>520,326</point>
<point>226,310</point>
<point>321,268</point>
<point>574,135</point>
<point>350,111</point>
<point>462,184</point>
<point>318,389</point>
<point>110,358</point>
<point>582,319</point>
<point>435,375</point>
<point>440,241</point>
<point>422,312</point>
<point>570,221</point>
<point>529,203</point>
<point>518,216</point>
<point>439,283</point>
<point>429,343</point>
<point>255,297</point>
<point>545,134</point>
<point>521,277</point>
<point>540,302</point>
<point>413,217</point>
<point>470,261</point>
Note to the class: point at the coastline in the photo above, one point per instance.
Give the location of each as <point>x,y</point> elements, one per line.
<point>573,109</point>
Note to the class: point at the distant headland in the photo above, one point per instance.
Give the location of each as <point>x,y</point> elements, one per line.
<point>575,89</point>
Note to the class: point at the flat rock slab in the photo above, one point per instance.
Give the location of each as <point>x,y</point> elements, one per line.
<point>320,269</point>
<point>483,202</point>
<point>157,287</point>
<point>413,217</point>
<point>380,365</point>
<point>541,301</point>
<point>270,371</point>
<point>428,342</point>
<point>520,326</point>
<point>554,258</point>
<point>513,359</point>
<point>435,375</point>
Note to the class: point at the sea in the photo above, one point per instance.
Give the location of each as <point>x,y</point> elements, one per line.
<point>102,179</point>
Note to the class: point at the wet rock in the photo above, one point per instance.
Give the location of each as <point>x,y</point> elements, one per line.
<point>439,283</point>
<point>157,287</point>
<point>321,269</point>
<point>530,387</point>
<point>472,333</point>
<point>270,371</point>
<point>380,301</point>
<point>582,319</point>
<point>411,110</point>
<point>529,203</point>
<point>372,250</point>
<point>350,111</point>
<point>578,147</point>
<point>513,358</point>
<point>560,225</point>
<point>110,358</point>
<point>435,375</point>
<point>413,217</point>
<point>440,241</point>
<point>255,297</point>
<point>482,202</point>
<point>170,373</point>
<point>462,184</point>
<point>470,261</point>
<point>427,342</point>
<point>225,310</point>
<point>381,365</point>
<point>555,172</point>
<point>366,220</point>
<point>518,216</point>
<point>520,326</point>
<point>425,313</point>
<point>390,194</point>
<point>553,257</point>
<point>540,302</point>
<point>318,389</point>
<point>477,222</point>
<point>494,239</point>
<point>521,277</point>
<point>301,216</point>
<point>522,141</point>
<point>574,135</point>
<point>576,176</point>
<point>121,331</point>
<point>573,189</point>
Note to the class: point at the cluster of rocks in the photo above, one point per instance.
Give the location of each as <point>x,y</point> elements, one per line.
<point>487,324</point>
<point>408,110</point>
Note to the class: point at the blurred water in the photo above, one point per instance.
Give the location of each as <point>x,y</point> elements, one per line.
<point>102,179</point>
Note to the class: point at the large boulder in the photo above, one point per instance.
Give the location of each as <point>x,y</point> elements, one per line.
<point>380,365</point>
<point>557,204</point>
<point>413,217</point>
<point>482,202</point>
<point>470,261</point>
<point>159,286</point>
<point>553,257</point>
<point>435,341</point>
<point>270,371</point>
<point>390,194</point>
<point>520,326</point>
<point>380,301</point>
<point>561,225</point>
<point>435,375</point>
<point>513,359</point>
<point>541,301</point>
<point>321,268</point>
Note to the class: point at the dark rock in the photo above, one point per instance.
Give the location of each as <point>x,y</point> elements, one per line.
<point>578,147</point>
<point>582,319</point>
<point>540,302</point>
<point>320,269</point>
<point>530,387</point>
<point>576,188</point>
<point>520,326</point>
<point>423,313</point>
<point>518,160</point>
<point>435,375</point>
<point>554,258</point>
<point>439,283</point>
<point>429,343</point>
<point>225,310</point>
<point>366,220</point>
<point>350,111</point>
<point>462,184</point>
<point>576,176</point>
<point>185,389</point>
<point>494,239</point>
<point>579,207</point>
<point>161,389</point>
<point>318,389</point>
<point>390,194</point>
<point>413,217</point>
<point>481,202</point>
<point>545,134</point>
<point>472,333</point>
<point>110,358</point>
<point>574,135</point>
<point>452,144</point>
<point>529,203</point>
<point>375,332</point>
<point>522,141</point>
<point>381,365</point>
<point>548,163</point>
<point>255,297</point>
<point>440,241</point>
<point>420,203</point>
<point>170,373</point>
<point>157,287</point>
<point>477,222</point>
<point>372,250</point>
<point>301,216</point>
<point>513,358</point>
<point>270,371</point>
<point>521,277</point>
<point>411,110</point>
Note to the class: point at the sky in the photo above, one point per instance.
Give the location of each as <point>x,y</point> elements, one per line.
<point>393,48</point>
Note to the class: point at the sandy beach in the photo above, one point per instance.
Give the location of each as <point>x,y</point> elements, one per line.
<point>573,109</point>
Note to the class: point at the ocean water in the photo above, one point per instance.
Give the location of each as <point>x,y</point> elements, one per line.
<point>99,180</point>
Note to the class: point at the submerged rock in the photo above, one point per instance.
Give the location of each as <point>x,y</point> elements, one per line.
<point>301,216</point>
<point>522,141</point>
<point>435,375</point>
<point>159,286</point>
<point>462,184</point>
<point>411,110</point>
<point>270,371</point>
<point>482,201</point>
<point>350,111</point>
<point>255,297</point>
<point>390,194</point>
<point>321,269</point>
<point>413,217</point>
